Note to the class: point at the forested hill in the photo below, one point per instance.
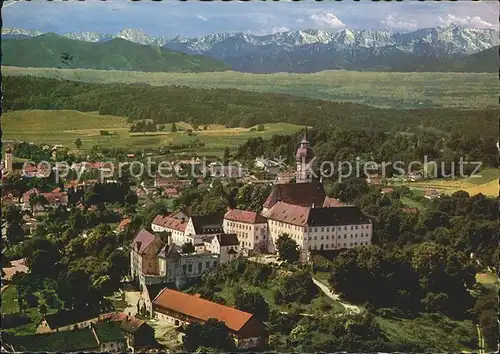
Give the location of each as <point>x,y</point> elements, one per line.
<point>166,104</point>
<point>52,50</point>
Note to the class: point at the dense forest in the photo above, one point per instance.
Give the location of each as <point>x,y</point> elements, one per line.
<point>339,145</point>
<point>233,108</point>
<point>52,50</point>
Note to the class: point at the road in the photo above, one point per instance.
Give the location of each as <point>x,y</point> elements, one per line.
<point>480,339</point>
<point>326,290</point>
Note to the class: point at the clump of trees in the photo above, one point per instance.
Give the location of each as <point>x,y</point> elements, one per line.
<point>426,277</point>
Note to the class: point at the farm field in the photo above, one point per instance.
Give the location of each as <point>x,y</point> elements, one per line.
<point>486,182</point>
<point>381,89</point>
<point>65,126</point>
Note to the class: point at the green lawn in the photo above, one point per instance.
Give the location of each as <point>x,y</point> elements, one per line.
<point>65,126</point>
<point>382,89</point>
<point>316,306</point>
<point>9,300</point>
<point>412,203</point>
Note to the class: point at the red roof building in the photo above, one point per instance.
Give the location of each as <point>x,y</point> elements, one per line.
<point>179,308</point>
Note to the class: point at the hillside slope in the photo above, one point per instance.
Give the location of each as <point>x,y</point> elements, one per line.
<point>52,50</point>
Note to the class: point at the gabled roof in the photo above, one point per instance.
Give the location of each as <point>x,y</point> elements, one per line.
<point>64,318</point>
<point>78,340</point>
<point>131,324</point>
<point>154,290</point>
<point>202,309</point>
<point>170,223</point>
<point>331,202</point>
<point>170,251</point>
<point>288,213</point>
<point>123,223</point>
<point>227,239</point>
<point>108,331</point>
<point>207,224</point>
<point>142,240</point>
<point>244,216</point>
<point>307,216</point>
<point>303,194</point>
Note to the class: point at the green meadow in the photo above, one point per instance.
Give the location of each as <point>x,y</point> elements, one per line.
<point>65,126</point>
<point>381,89</point>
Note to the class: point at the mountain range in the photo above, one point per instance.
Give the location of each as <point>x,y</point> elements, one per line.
<point>450,48</point>
<point>52,50</point>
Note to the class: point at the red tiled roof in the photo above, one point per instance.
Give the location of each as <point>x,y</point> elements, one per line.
<point>142,240</point>
<point>170,223</point>
<point>171,191</point>
<point>305,194</point>
<point>410,210</point>
<point>123,223</point>
<point>307,216</point>
<point>245,216</point>
<point>289,213</point>
<point>202,309</point>
<point>331,202</point>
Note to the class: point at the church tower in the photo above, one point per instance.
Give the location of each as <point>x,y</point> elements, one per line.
<point>303,157</point>
<point>8,159</point>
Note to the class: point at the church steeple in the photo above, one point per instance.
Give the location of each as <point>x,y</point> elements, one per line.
<point>303,156</point>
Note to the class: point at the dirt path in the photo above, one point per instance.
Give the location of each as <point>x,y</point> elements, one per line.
<point>326,290</point>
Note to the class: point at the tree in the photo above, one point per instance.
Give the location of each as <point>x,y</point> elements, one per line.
<point>288,249</point>
<point>225,159</point>
<point>173,129</point>
<point>212,334</point>
<point>188,248</point>
<point>78,143</point>
<point>252,302</point>
<point>42,308</point>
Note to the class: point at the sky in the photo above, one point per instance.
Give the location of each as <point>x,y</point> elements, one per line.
<point>191,18</point>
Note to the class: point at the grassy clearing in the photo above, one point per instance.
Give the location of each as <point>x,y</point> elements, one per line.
<point>439,333</point>
<point>9,300</point>
<point>316,306</point>
<point>486,182</point>
<point>401,90</point>
<point>65,126</point>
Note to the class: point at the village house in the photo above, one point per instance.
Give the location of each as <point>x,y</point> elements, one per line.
<point>109,336</point>
<point>148,294</point>
<point>225,245</point>
<point>157,261</point>
<point>121,226</point>
<point>181,269</point>
<point>250,228</point>
<point>318,228</point>
<point>79,340</point>
<point>139,336</point>
<point>180,309</point>
<point>143,260</point>
<point>386,190</point>
<point>67,320</point>
<point>176,227</point>
<point>269,166</point>
<point>432,194</point>
<point>55,198</point>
